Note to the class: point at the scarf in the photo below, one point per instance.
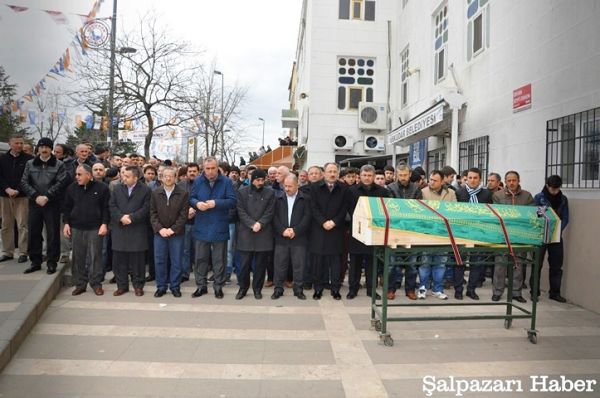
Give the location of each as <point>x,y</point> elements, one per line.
<point>473,193</point>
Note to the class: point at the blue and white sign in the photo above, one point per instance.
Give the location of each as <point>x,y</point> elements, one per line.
<point>417,154</point>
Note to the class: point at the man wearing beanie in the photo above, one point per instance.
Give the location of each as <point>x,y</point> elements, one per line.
<point>43,180</point>
<point>255,206</point>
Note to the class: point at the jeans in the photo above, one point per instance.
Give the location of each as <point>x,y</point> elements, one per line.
<point>433,267</point>
<point>230,249</point>
<point>171,248</point>
<point>409,271</point>
<point>188,252</point>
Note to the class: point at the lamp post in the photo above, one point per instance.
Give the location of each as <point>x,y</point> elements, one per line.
<point>263,136</point>
<point>216,72</point>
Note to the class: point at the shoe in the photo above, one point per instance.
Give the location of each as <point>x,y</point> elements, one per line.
<point>113,280</point>
<point>289,284</point>
<point>160,293</point>
<point>149,278</point>
<point>211,278</point>
<point>558,297</point>
<point>422,294</point>
<point>520,299</point>
<point>50,269</point>
<point>241,294</point>
<point>199,292</point>
<point>524,286</point>
<point>139,292</point>
<point>22,259</point>
<point>64,259</point>
<point>495,297</point>
<point>458,296</point>
<point>391,295</point>
<point>176,293</point>
<point>300,296</point>
<point>448,285</point>
<point>185,278</point>
<point>411,295</point>
<point>32,268</point>
<point>219,293</point>
<point>473,295</point>
<point>336,295</point>
<point>99,291</point>
<point>268,283</point>
<point>307,286</point>
<point>258,295</point>
<point>78,291</point>
<point>377,296</point>
<point>228,279</point>
<point>479,284</point>
<point>440,295</point>
<point>5,258</point>
<point>120,292</point>
<point>318,294</point>
<point>351,295</point>
<point>276,294</point>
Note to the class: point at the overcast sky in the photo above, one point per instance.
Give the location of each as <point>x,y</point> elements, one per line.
<point>254,43</point>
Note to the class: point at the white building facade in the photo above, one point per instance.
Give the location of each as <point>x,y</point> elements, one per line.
<point>501,85</point>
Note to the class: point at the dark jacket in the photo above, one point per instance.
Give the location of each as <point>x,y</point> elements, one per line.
<point>484,196</point>
<point>255,206</point>
<point>233,215</point>
<point>71,166</point>
<point>212,225</point>
<point>169,213</point>
<point>301,220</point>
<point>44,179</point>
<point>325,206</point>
<point>11,172</point>
<point>410,191</point>
<point>562,210</point>
<point>132,237</point>
<point>356,191</point>
<point>86,206</point>
<point>187,186</point>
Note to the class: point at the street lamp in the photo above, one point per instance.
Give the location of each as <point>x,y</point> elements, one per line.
<point>216,72</point>
<point>263,137</point>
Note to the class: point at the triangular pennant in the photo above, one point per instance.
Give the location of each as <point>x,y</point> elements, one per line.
<point>57,16</point>
<point>17,8</point>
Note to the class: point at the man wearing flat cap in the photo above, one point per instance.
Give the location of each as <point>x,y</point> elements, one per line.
<point>43,181</point>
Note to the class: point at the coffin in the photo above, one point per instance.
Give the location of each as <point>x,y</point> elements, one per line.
<point>415,223</point>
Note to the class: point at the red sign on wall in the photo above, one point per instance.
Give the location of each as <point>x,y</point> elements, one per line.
<point>522,98</point>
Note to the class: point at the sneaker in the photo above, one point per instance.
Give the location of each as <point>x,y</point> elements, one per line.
<point>440,295</point>
<point>422,294</point>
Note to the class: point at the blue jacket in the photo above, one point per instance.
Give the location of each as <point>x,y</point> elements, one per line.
<point>213,225</point>
<point>563,210</point>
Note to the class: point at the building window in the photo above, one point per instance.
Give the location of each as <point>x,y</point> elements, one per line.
<point>436,159</point>
<point>355,81</point>
<point>573,149</point>
<point>363,10</point>
<point>478,27</point>
<point>440,43</point>
<point>474,153</point>
<point>405,75</point>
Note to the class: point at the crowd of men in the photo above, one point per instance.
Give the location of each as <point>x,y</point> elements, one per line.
<point>272,229</point>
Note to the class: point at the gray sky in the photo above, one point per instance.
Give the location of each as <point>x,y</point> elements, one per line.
<point>253,43</point>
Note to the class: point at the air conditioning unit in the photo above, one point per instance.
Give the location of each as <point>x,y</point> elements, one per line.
<point>374,143</point>
<point>342,142</point>
<point>372,116</point>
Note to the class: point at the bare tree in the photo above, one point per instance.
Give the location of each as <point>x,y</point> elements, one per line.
<point>51,119</point>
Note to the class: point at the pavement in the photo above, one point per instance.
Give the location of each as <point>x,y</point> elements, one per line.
<point>128,346</point>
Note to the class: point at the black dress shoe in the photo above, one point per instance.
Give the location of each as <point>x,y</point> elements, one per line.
<point>22,259</point>
<point>6,258</point>
<point>276,294</point>
<point>149,278</point>
<point>336,295</point>
<point>258,295</point>
<point>558,297</point>
<point>473,295</point>
<point>219,293</point>
<point>160,293</point>
<point>520,299</point>
<point>307,286</point>
<point>351,295</point>
<point>176,293</point>
<point>495,297</point>
<point>32,268</point>
<point>318,294</point>
<point>377,296</point>
<point>185,278</point>
<point>241,294</point>
<point>51,268</point>
<point>458,296</point>
<point>112,280</point>
<point>300,296</point>
<point>199,292</point>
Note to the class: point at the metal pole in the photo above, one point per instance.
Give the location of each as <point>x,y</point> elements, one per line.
<point>111,83</point>
<point>263,137</point>
<point>222,117</point>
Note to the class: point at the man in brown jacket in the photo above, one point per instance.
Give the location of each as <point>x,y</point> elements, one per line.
<point>169,205</point>
<point>512,194</point>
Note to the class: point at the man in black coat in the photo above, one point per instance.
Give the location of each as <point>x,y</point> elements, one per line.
<point>43,181</point>
<point>129,209</point>
<point>255,207</point>
<point>471,192</point>
<point>329,205</point>
<point>360,254</point>
<point>291,223</point>
<point>86,217</point>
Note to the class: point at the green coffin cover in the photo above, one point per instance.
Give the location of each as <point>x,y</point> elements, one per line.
<point>471,221</point>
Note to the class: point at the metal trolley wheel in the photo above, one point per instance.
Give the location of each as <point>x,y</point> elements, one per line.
<point>507,323</point>
<point>388,341</point>
<point>532,337</point>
